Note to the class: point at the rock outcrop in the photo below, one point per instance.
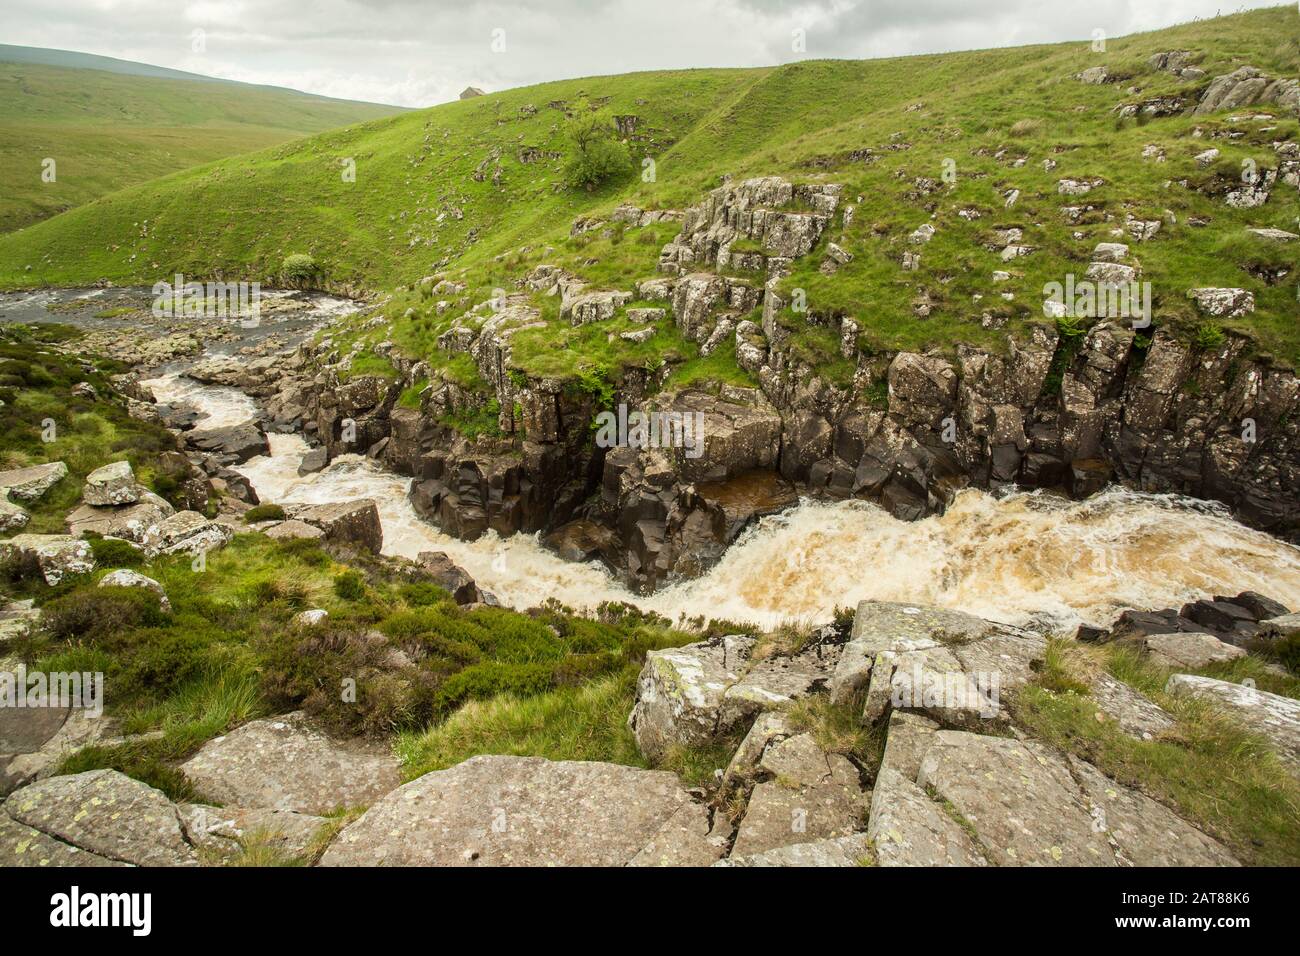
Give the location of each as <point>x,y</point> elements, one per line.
<point>288,763</point>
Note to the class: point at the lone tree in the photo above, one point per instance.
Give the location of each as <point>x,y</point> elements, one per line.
<point>597,155</point>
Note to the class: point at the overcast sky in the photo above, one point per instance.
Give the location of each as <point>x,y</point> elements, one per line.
<point>421,52</point>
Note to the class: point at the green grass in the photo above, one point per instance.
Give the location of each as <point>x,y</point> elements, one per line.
<point>415,204</point>
<point>36,386</point>
<point>107,130</point>
<point>1210,770</point>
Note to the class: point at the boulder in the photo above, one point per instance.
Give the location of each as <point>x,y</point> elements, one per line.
<point>24,846</point>
<point>1223,303</point>
<point>292,529</point>
<point>680,692</point>
<point>52,556</point>
<point>816,796</point>
<point>288,763</point>
<point>354,523</point>
<point>188,532</point>
<point>450,576</point>
<point>1273,717</point>
<point>105,813</point>
<point>687,839</point>
<point>313,461</point>
<point>12,517</point>
<point>132,522</point>
<point>126,578</point>
<point>515,811</point>
<point>111,485</point>
<point>1190,649</point>
<point>235,444</point>
<point>907,828</point>
<point>1025,804</point>
<point>29,484</point>
<point>852,850</point>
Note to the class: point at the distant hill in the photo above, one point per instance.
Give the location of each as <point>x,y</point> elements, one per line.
<point>111,123</point>
<point>474,189</point>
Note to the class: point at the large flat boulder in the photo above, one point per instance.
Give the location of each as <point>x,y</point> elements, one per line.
<point>187,532</point>
<point>106,813</point>
<point>234,444</point>
<point>133,522</point>
<point>851,850</point>
<point>907,828</point>
<point>23,846</point>
<point>1025,804</point>
<point>288,763</point>
<point>514,811</point>
<point>31,483</point>
<point>1275,718</point>
<point>50,556</point>
<point>354,523</point>
<point>880,626</point>
<point>1190,649</point>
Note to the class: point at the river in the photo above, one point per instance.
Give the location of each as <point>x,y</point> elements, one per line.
<point>1029,557</point>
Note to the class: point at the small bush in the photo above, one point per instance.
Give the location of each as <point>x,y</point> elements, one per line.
<point>263,513</point>
<point>596,156</point>
<point>90,612</point>
<point>299,269</point>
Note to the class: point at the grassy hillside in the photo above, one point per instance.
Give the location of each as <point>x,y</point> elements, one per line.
<point>416,207</point>
<point>106,130</point>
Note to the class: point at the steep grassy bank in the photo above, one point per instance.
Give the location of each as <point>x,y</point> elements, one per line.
<point>106,131</point>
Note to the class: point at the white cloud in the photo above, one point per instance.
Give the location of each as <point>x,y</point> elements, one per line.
<point>420,52</point>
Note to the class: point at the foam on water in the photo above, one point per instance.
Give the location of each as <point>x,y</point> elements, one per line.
<point>1025,557</point>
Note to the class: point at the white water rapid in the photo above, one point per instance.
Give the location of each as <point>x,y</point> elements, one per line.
<point>1024,557</point>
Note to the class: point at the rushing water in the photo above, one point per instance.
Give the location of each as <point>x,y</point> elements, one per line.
<point>1024,557</point>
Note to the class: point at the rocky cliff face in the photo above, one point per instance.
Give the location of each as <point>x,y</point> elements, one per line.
<point>909,430</point>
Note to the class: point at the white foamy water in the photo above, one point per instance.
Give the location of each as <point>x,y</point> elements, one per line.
<point>1027,557</point>
<point>220,406</point>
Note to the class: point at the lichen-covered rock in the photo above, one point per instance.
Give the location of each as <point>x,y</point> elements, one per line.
<point>687,839</point>
<point>126,578</point>
<point>29,484</point>
<point>1190,649</point>
<point>106,813</point>
<point>852,850</point>
<point>187,532</point>
<point>1273,717</point>
<point>1223,303</point>
<point>23,846</point>
<point>680,693</point>
<point>1028,805</point>
<point>222,830</point>
<point>52,556</point>
<point>293,529</point>
<point>12,517</point>
<point>907,828</point>
<point>133,522</point>
<point>885,626</point>
<point>354,523</point>
<point>111,485</point>
<point>825,799</point>
<point>288,763</point>
<point>514,811</point>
